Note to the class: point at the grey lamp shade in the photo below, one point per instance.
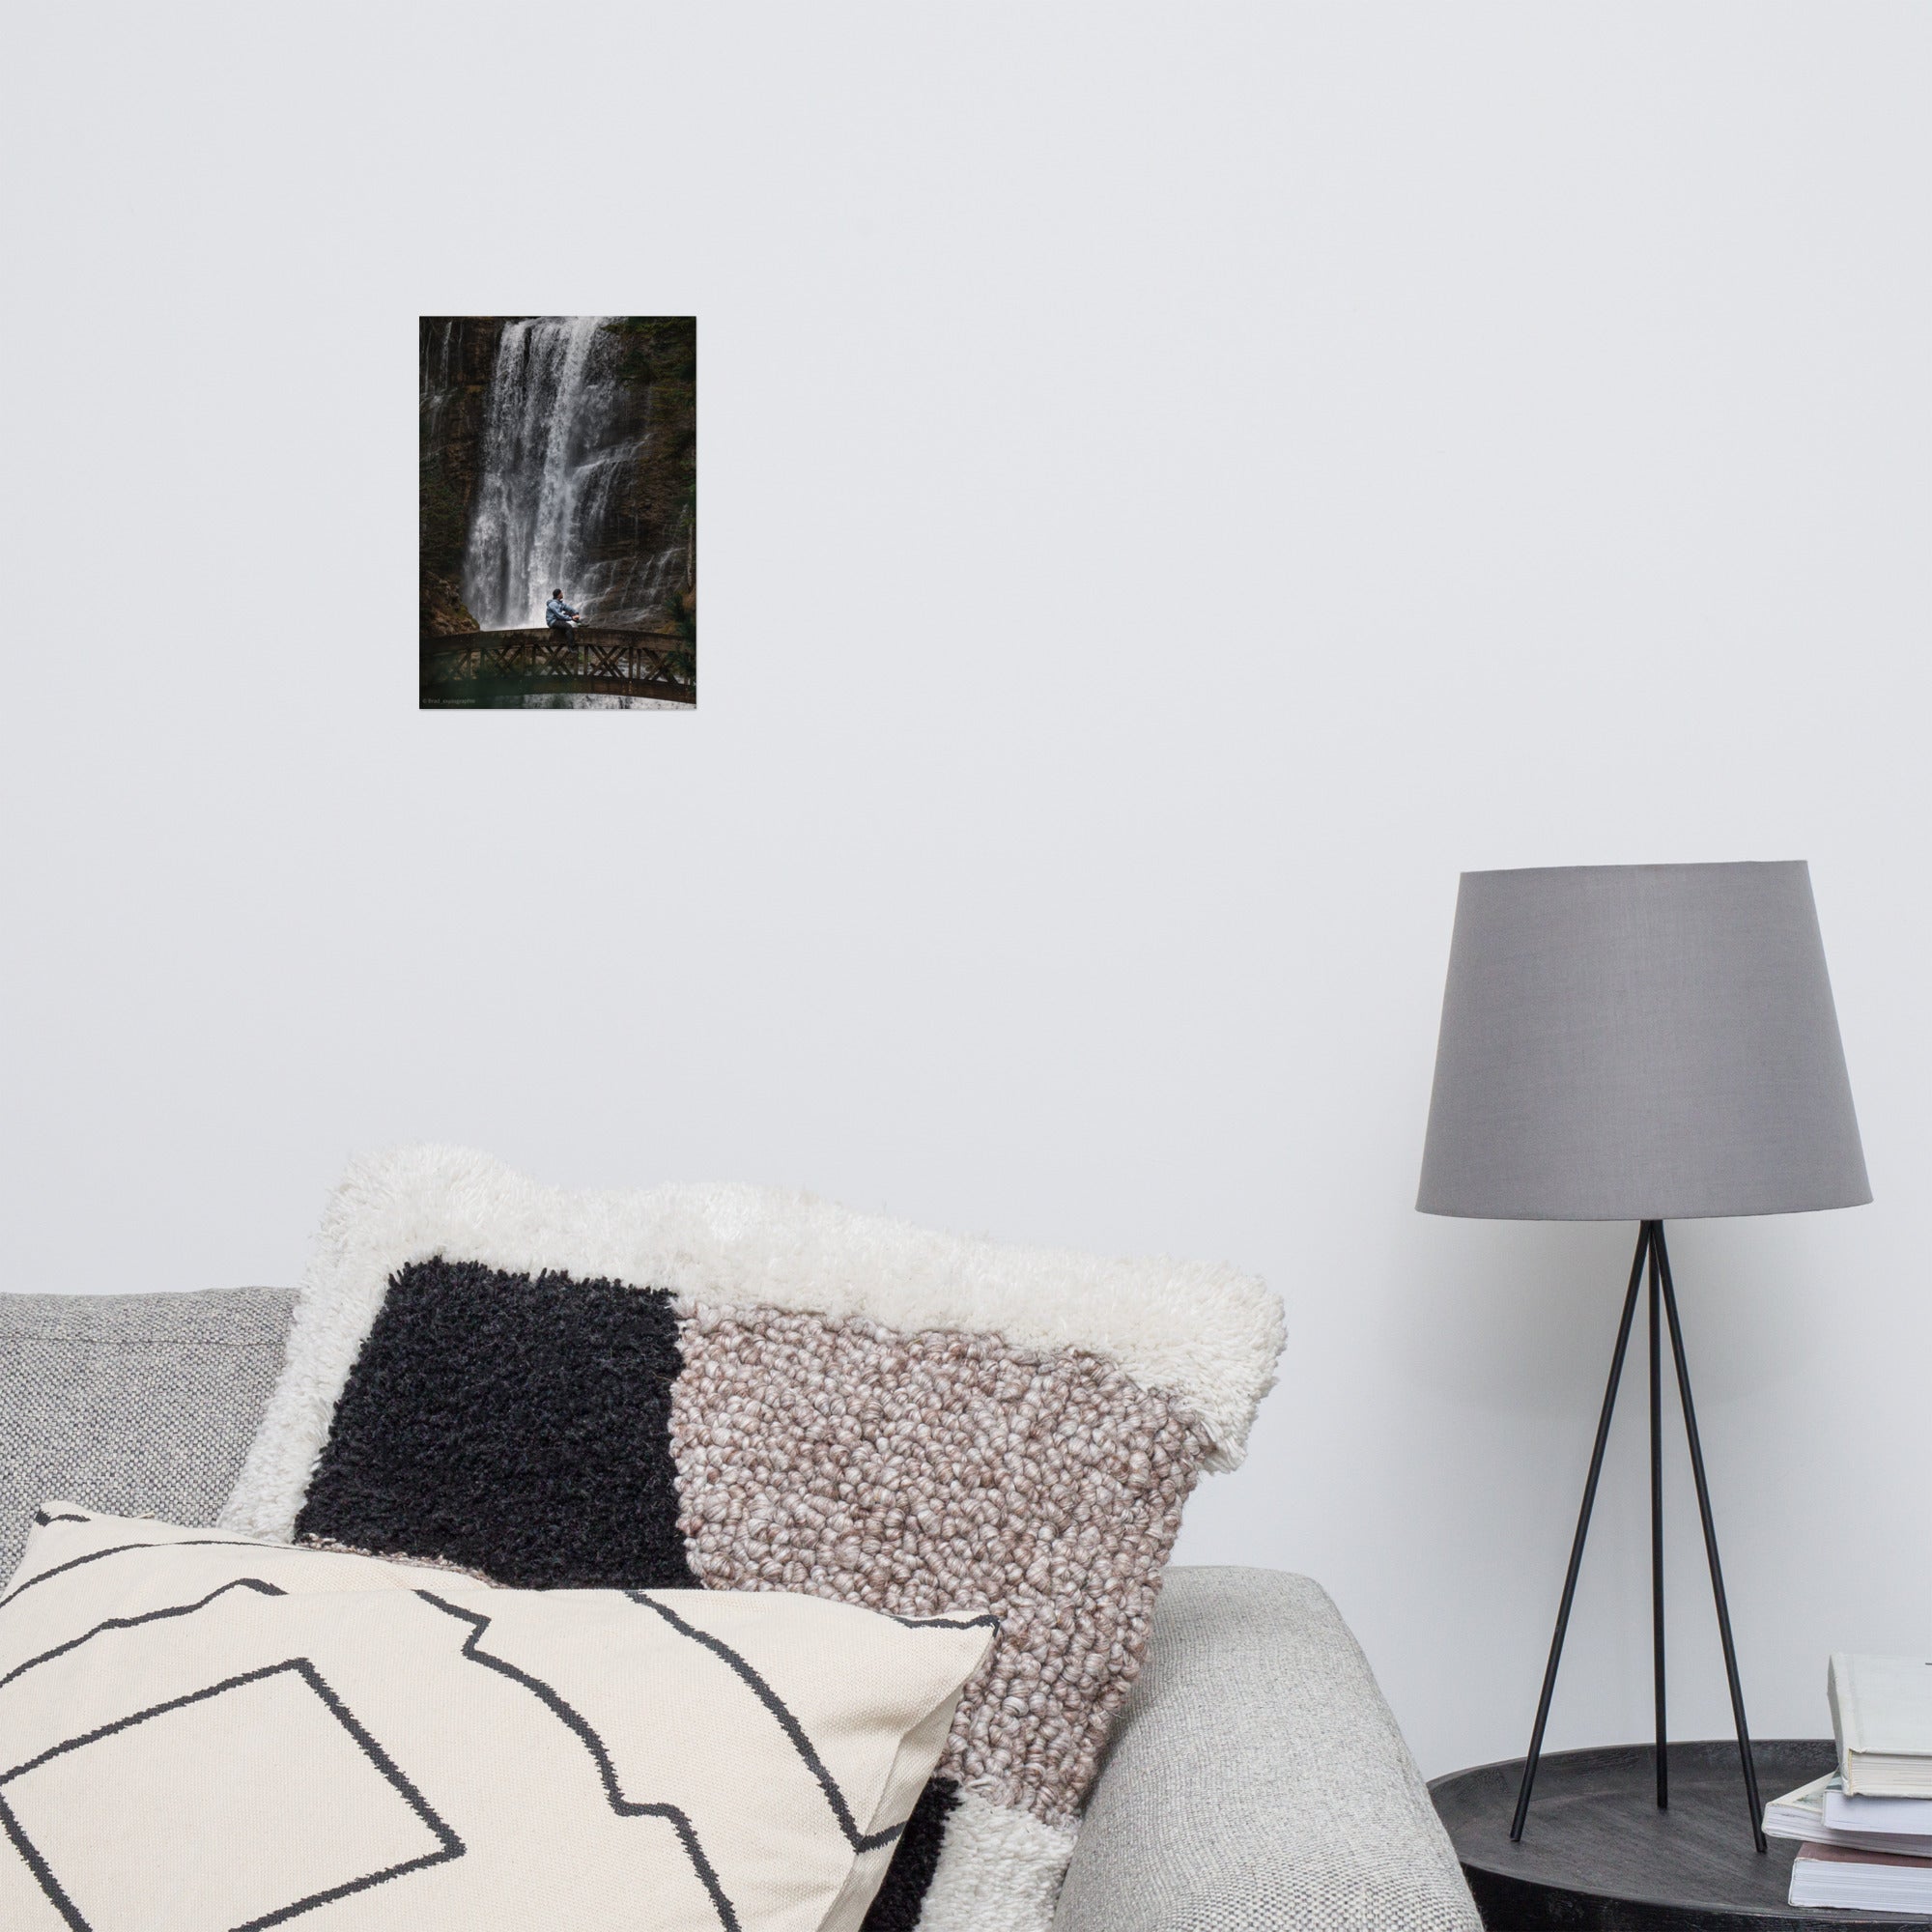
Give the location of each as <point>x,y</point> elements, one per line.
<point>1639,1042</point>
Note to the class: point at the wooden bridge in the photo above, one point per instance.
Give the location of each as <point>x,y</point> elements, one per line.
<point>501,668</point>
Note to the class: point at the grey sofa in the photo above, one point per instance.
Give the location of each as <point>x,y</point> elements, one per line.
<point>1256,1778</point>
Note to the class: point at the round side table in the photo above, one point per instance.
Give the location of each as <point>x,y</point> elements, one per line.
<point>1598,1855</point>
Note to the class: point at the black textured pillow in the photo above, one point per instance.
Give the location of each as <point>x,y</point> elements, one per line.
<point>515,1425</point>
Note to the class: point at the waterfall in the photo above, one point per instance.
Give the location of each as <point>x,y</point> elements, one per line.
<point>562,435</point>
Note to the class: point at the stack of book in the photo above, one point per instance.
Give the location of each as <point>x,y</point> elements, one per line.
<point>1866,1830</point>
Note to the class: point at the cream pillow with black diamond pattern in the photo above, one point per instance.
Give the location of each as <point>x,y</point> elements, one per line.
<point>202,1733</point>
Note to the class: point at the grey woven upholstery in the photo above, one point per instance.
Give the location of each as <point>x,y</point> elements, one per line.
<point>1257,1781</point>
<point>139,1405</point>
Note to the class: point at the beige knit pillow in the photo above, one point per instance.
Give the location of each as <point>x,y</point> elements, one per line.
<point>200,1733</point>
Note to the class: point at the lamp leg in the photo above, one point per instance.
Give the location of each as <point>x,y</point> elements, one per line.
<point>1643,1241</point>
<point>1710,1541</point>
<point>1657,1519</point>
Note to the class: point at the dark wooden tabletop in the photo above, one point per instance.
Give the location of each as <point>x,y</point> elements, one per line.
<point>1598,1855</point>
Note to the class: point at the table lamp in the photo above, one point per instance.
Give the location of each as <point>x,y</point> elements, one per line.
<point>1641,1043</point>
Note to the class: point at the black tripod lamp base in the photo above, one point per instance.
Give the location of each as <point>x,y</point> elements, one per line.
<point>1653,1258</point>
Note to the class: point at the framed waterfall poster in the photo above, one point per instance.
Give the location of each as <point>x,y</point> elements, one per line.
<point>558,491</point>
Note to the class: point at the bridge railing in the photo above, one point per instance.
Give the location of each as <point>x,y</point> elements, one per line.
<point>655,663</point>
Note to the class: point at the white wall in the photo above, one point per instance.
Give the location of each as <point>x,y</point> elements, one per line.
<point>1179,486</point>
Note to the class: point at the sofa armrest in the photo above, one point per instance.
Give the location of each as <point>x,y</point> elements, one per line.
<point>1257,1780</point>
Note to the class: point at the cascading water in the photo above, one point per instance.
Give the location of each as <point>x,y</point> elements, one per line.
<point>561,437</point>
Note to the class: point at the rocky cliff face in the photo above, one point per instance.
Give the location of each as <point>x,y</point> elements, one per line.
<point>455,355</point>
<point>657,366</point>
<point>550,446</point>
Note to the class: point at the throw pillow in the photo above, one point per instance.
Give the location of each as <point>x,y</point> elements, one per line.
<point>199,1732</point>
<point>749,1389</point>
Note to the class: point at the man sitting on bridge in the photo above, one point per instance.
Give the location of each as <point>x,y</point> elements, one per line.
<point>560,615</point>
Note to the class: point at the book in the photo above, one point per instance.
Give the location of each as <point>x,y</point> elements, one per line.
<point>1906,1819</point>
<point>1807,1814</point>
<point>1881,1718</point>
<point>1859,1880</point>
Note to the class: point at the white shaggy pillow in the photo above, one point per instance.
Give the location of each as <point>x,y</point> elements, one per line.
<point>749,1389</point>
<point>200,1733</point>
